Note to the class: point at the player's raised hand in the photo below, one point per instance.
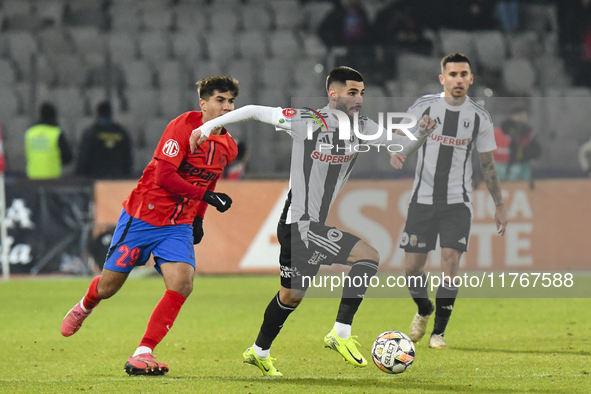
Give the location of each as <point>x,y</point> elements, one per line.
<point>427,125</point>
<point>196,139</point>
<point>397,160</point>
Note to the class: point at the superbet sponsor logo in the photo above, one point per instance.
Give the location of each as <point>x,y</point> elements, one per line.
<point>450,141</point>
<point>331,159</point>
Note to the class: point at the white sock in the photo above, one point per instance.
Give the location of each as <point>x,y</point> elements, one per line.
<point>82,306</point>
<point>142,350</point>
<point>260,352</point>
<point>343,330</point>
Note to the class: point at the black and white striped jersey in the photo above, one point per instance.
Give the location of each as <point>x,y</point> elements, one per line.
<point>444,165</point>
<point>320,166</point>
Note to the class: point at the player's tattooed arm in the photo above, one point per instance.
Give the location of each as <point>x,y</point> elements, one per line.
<point>491,178</point>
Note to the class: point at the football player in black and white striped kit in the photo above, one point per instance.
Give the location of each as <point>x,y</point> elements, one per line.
<point>320,166</point>
<point>441,199</point>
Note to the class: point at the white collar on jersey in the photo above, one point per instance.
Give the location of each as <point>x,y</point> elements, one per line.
<point>453,107</point>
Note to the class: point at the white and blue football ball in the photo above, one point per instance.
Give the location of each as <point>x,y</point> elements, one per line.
<point>393,352</point>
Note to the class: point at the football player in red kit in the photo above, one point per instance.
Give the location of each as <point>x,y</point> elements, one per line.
<point>163,216</point>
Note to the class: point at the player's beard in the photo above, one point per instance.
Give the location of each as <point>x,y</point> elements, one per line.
<point>460,94</point>
<point>341,106</point>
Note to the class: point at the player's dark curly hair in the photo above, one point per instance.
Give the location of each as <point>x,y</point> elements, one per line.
<point>222,84</point>
<point>342,74</point>
<point>454,58</point>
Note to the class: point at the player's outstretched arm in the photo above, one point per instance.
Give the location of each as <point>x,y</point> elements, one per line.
<point>270,115</point>
<point>491,178</point>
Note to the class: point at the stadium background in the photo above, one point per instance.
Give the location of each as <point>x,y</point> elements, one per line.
<point>145,56</point>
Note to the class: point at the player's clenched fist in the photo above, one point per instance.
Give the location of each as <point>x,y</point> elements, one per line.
<point>221,201</point>
<point>427,125</point>
<point>196,139</point>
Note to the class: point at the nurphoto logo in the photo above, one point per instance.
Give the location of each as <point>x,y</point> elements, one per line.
<point>390,128</point>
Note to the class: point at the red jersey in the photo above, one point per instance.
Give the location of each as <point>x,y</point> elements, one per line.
<point>501,154</point>
<point>160,207</point>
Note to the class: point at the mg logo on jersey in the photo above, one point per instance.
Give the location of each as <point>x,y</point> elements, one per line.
<point>289,112</point>
<point>171,148</point>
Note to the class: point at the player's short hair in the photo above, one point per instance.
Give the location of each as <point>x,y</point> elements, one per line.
<point>342,74</point>
<point>454,58</point>
<point>222,84</point>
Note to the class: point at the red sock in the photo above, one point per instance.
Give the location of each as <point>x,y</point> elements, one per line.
<point>91,299</point>
<point>162,318</point>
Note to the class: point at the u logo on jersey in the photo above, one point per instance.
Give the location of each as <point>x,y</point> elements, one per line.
<point>171,148</point>
<point>334,234</point>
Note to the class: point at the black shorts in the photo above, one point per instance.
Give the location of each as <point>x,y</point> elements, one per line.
<point>322,245</point>
<point>424,222</point>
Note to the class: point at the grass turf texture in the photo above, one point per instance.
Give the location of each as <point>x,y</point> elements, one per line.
<point>496,345</point>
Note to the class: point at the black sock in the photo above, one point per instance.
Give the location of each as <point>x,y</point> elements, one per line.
<point>417,286</point>
<point>275,315</point>
<point>354,289</point>
<point>446,297</point>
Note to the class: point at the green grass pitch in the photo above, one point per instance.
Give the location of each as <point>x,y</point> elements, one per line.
<point>496,345</point>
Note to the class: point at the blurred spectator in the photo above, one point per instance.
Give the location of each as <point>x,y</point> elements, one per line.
<point>506,13</point>
<point>523,147</point>
<point>397,24</point>
<point>235,171</point>
<point>502,154</point>
<point>105,150</point>
<point>348,25</point>
<point>584,153</point>
<point>469,14</point>
<point>432,14</point>
<point>397,28</point>
<point>574,19</point>
<point>46,147</point>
